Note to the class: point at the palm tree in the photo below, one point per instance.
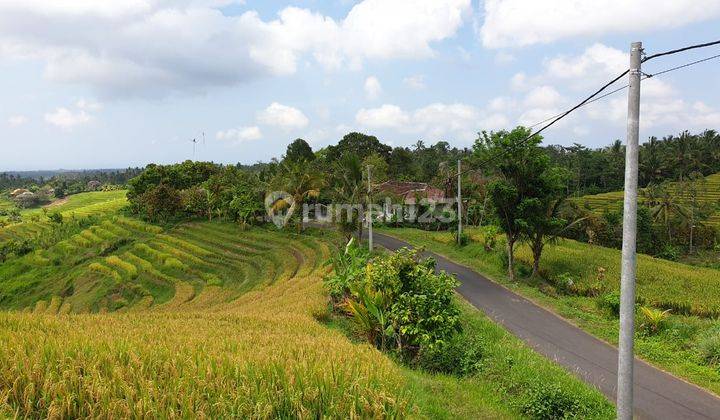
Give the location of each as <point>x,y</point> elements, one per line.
<point>349,189</point>
<point>664,205</point>
<point>301,180</point>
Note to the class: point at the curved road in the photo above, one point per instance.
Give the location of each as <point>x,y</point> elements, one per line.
<point>658,395</point>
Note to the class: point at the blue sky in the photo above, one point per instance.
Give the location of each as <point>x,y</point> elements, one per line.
<point>91,84</point>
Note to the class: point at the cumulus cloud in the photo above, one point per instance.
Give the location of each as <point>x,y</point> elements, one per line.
<point>283,116</point>
<point>434,121</point>
<point>132,47</point>
<point>386,116</point>
<point>67,119</point>
<point>526,22</point>
<point>373,89</point>
<point>17,120</point>
<point>240,134</point>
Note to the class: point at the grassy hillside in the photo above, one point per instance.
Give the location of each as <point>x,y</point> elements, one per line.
<point>614,200</point>
<point>684,346</point>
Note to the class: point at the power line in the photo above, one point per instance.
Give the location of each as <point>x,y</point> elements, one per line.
<point>592,98</point>
<point>646,76</point>
<point>679,50</point>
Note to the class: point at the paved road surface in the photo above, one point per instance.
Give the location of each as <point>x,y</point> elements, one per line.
<point>658,395</point>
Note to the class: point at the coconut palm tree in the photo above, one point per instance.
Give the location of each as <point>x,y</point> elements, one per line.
<point>349,189</point>
<point>301,180</point>
<point>664,205</point>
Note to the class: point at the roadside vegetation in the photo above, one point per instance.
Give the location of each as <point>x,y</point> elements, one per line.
<point>581,283</point>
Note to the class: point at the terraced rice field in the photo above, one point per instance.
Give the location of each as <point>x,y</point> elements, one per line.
<point>123,262</point>
<point>223,327</point>
<point>34,223</point>
<point>614,200</point>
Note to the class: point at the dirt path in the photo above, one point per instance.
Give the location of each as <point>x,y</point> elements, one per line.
<point>658,395</point>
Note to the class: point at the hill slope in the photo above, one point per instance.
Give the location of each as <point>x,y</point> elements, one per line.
<point>614,200</point>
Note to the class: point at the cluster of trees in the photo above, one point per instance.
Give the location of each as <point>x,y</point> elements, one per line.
<point>163,193</point>
<point>671,158</point>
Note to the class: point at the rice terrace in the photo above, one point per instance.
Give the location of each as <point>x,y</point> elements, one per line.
<point>368,209</point>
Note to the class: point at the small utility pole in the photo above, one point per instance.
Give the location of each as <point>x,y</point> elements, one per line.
<point>459,205</point>
<point>369,212</point>
<point>629,257</point>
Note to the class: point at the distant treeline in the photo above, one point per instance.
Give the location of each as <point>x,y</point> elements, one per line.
<point>69,182</point>
<point>672,158</point>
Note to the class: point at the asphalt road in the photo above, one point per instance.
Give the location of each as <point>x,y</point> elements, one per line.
<point>658,395</point>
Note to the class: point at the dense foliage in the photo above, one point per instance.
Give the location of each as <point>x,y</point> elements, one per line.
<point>671,158</point>
<point>196,189</point>
<point>397,301</point>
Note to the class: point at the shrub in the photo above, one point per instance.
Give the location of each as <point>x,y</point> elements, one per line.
<point>549,401</point>
<point>397,301</point>
<point>669,252</point>
<point>709,346</point>
<point>654,320</point>
<point>490,234</point>
<point>419,303</point>
<point>464,238</point>
<point>565,283</point>
<point>611,302</point>
<point>461,355</point>
<point>349,266</point>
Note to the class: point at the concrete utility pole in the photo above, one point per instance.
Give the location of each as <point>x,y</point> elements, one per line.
<point>369,213</point>
<point>459,205</point>
<point>629,257</point>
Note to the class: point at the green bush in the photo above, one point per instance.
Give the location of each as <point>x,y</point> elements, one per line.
<point>611,302</point>
<point>654,320</point>
<point>550,401</point>
<point>399,302</point>
<point>348,267</point>
<point>464,238</point>
<point>565,283</point>
<point>709,346</point>
<point>669,252</point>
<point>461,355</point>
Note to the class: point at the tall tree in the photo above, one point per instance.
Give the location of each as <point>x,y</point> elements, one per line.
<point>361,145</point>
<point>519,190</point>
<point>302,181</point>
<point>298,150</point>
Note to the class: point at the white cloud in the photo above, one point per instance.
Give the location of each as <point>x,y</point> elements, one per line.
<point>434,121</point>
<point>373,89</point>
<point>416,82</point>
<point>527,22</point>
<point>131,48</point>
<point>240,134</point>
<point>542,97</point>
<point>386,116</point>
<point>67,119</point>
<point>17,120</point>
<point>283,116</point>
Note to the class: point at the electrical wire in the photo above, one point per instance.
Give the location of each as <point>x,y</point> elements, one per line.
<point>592,98</point>
<point>679,50</point>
